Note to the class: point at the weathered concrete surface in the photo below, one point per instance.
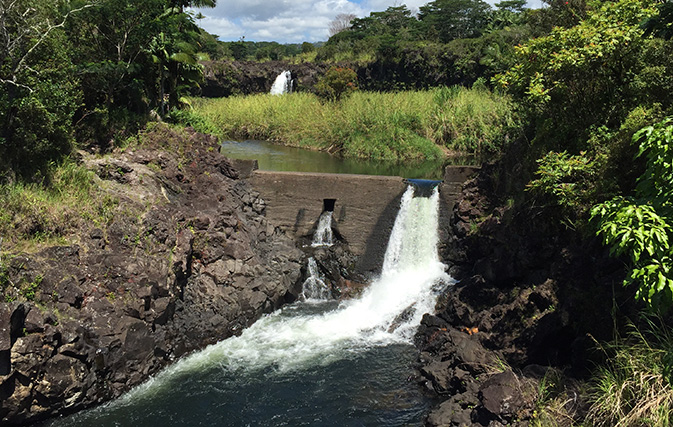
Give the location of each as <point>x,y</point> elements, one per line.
<point>364,211</point>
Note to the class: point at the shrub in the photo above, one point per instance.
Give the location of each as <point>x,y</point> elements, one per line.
<point>641,227</point>
<point>336,83</point>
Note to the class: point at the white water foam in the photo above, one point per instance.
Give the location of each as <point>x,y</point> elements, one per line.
<point>388,311</point>
<point>323,233</point>
<point>282,84</point>
<point>314,287</point>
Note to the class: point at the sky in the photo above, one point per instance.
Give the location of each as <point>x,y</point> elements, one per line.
<point>291,21</point>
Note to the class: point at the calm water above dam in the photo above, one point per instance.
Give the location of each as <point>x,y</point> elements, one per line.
<point>274,157</point>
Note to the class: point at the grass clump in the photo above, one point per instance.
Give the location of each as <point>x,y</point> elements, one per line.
<point>391,126</point>
<point>634,387</point>
<point>557,402</point>
<point>35,212</point>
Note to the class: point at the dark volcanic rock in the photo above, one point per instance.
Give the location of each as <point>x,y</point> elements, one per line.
<point>187,260</point>
<point>526,295</point>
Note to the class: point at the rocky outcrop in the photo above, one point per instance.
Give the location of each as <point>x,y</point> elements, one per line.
<point>186,260</point>
<point>531,298</point>
<point>225,78</point>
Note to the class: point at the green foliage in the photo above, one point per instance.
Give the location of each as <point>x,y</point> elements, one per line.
<point>455,19</point>
<point>568,180</point>
<point>28,289</point>
<point>38,211</point>
<point>580,77</point>
<point>641,227</point>
<point>474,121</point>
<point>38,93</point>
<point>337,83</point>
<point>557,13</point>
<point>187,117</point>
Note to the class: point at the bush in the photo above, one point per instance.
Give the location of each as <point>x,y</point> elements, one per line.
<point>336,83</point>
<point>641,227</point>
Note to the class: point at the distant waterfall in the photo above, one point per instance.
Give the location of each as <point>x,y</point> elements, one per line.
<point>282,84</point>
<point>314,287</point>
<point>323,233</point>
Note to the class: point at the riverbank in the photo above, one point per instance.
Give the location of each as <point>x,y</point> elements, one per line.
<point>517,339</point>
<point>185,260</point>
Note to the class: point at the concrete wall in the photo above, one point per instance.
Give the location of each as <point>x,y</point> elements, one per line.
<point>364,211</point>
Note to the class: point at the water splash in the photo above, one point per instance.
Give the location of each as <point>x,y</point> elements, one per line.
<point>282,84</point>
<point>388,311</point>
<point>314,287</point>
<point>323,233</point>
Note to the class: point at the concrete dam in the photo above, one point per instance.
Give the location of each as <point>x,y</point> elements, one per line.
<point>364,206</point>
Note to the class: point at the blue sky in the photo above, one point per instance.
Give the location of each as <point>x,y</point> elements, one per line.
<point>291,21</point>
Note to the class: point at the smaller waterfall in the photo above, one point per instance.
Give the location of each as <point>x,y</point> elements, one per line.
<point>314,287</point>
<point>282,84</point>
<point>323,234</point>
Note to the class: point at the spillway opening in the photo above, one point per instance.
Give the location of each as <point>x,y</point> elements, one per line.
<point>423,187</point>
<point>328,205</point>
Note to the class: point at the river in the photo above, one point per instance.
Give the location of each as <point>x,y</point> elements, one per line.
<point>313,363</point>
<point>273,157</point>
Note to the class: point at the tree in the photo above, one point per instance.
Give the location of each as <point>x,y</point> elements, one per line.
<point>516,6</point>
<point>239,49</point>
<point>581,77</point>
<point>307,47</point>
<point>455,19</point>
<point>340,23</point>
<point>38,95</point>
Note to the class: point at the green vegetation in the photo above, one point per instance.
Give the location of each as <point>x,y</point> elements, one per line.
<point>634,386</point>
<point>577,93</point>
<point>33,212</point>
<point>641,226</point>
<point>403,125</point>
<point>88,73</point>
<point>336,83</point>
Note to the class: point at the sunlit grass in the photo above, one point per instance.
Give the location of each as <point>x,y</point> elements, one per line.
<point>395,126</point>
<point>35,213</point>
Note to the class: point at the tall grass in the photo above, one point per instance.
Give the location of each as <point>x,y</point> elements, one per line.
<point>33,212</point>
<point>634,387</point>
<point>395,126</point>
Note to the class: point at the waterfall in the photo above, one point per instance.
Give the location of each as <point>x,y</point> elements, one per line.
<point>300,337</point>
<point>323,233</point>
<point>282,84</point>
<point>314,287</point>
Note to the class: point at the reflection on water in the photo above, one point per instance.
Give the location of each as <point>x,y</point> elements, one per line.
<point>272,157</point>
